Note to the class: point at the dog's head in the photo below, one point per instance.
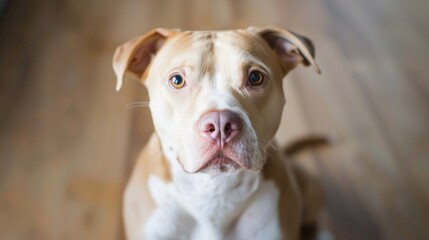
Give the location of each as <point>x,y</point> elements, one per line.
<point>216,96</point>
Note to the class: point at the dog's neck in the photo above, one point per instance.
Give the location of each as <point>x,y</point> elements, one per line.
<point>214,200</point>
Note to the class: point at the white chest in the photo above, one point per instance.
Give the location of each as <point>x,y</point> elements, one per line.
<point>246,212</point>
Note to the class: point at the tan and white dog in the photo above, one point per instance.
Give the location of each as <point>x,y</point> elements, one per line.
<point>210,170</point>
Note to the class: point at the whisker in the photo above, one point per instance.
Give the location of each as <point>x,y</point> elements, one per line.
<point>274,146</point>
<point>137,104</point>
<point>158,156</point>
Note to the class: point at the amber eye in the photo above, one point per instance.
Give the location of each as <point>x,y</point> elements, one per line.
<point>256,78</point>
<point>177,81</point>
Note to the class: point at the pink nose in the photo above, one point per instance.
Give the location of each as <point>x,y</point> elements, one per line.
<point>220,126</point>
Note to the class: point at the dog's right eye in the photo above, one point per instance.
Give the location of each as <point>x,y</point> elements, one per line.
<point>256,78</point>
<point>177,81</point>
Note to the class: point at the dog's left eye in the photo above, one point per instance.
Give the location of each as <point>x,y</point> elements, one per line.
<point>256,78</point>
<point>177,81</point>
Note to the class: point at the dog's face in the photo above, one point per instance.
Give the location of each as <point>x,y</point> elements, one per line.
<point>216,97</point>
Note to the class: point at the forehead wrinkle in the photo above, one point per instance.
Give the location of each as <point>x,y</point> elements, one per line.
<point>203,41</point>
<point>191,49</point>
<point>227,61</point>
<point>248,48</point>
<point>240,51</point>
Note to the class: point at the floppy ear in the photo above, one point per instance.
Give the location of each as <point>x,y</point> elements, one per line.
<point>291,48</point>
<point>135,55</point>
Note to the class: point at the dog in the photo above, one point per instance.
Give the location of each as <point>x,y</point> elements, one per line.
<point>211,169</point>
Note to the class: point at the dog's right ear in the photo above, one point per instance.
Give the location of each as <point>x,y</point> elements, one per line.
<point>135,55</point>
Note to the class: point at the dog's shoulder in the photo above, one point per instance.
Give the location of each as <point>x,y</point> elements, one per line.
<point>301,192</point>
<point>138,203</point>
<point>278,170</point>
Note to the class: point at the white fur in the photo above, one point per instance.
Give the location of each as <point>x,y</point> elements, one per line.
<point>203,206</point>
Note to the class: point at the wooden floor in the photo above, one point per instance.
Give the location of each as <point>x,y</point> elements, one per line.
<point>68,140</point>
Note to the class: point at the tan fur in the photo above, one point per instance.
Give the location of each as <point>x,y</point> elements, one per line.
<point>290,204</point>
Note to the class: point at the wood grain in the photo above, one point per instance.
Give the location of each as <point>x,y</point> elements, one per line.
<point>68,141</point>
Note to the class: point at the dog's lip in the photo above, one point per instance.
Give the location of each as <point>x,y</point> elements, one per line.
<point>217,159</point>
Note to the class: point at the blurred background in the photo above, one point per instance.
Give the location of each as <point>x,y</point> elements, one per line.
<point>68,141</point>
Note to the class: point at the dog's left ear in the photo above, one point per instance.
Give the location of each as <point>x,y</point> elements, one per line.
<point>291,48</point>
<point>135,55</point>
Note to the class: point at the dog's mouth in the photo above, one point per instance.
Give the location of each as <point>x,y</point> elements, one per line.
<point>242,153</point>
<point>219,163</point>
